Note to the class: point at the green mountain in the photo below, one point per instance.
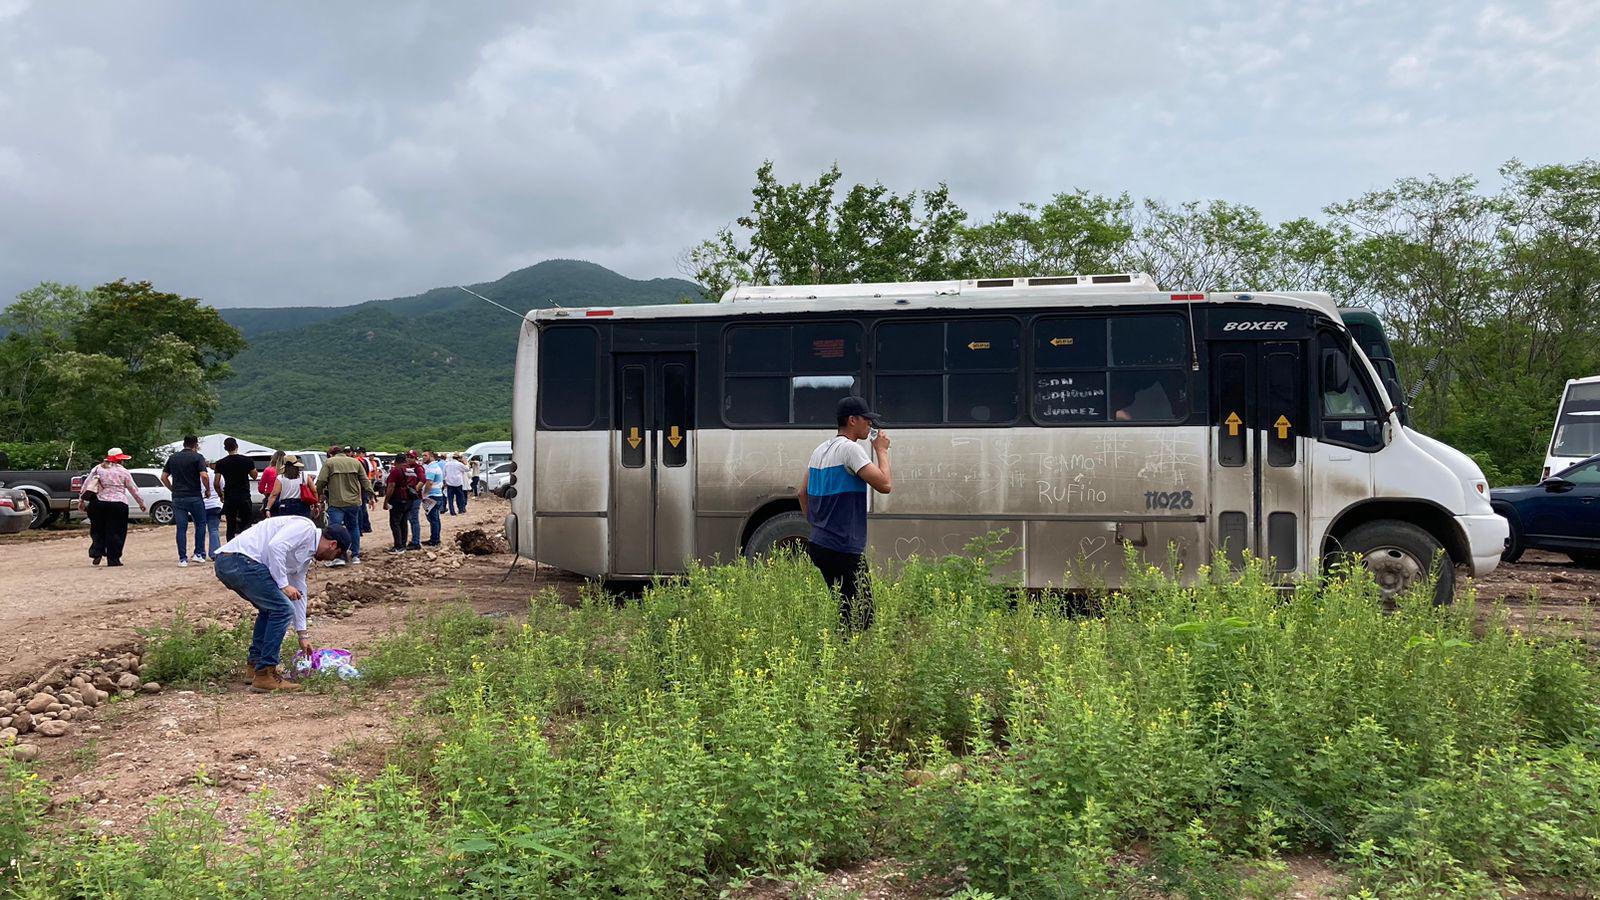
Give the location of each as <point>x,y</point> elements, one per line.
<point>434,368</point>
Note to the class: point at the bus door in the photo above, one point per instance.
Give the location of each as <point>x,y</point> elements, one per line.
<point>652,464</point>
<point>1258,472</point>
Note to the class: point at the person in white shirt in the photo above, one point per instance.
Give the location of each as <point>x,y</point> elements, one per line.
<point>455,484</point>
<point>211,496</point>
<point>266,565</point>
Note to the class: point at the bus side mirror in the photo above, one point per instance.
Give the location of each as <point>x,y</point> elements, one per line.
<point>1335,372</point>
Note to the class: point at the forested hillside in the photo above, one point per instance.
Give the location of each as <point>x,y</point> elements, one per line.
<point>431,368</point>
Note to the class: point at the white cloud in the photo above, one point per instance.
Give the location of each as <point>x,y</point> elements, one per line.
<point>332,153</point>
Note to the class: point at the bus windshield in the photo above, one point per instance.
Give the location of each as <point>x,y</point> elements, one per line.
<point>1366,329</point>
<point>1578,422</point>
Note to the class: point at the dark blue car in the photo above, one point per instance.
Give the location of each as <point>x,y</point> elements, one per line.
<point>1562,513</point>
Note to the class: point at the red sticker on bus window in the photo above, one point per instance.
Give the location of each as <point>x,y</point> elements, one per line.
<point>828,349</point>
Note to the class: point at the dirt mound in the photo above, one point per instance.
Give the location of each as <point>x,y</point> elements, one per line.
<point>343,597</point>
<point>477,542</point>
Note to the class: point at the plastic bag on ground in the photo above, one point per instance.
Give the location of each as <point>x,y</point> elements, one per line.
<point>330,659</point>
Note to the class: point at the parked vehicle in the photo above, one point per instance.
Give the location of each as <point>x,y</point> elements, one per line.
<point>1561,513</point>
<point>1078,414</point>
<point>310,461</point>
<point>497,477</point>
<point>16,513</point>
<point>490,453</point>
<point>1576,435</point>
<point>50,492</point>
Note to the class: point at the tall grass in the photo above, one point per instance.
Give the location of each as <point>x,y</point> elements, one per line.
<point>723,725</point>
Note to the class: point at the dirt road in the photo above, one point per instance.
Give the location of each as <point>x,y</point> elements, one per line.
<point>223,743</point>
<point>54,605</point>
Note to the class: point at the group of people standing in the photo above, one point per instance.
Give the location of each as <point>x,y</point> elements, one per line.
<point>428,484</point>
<point>207,494</point>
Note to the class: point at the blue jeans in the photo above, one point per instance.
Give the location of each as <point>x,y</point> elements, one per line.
<point>350,518</point>
<point>433,518</point>
<point>184,509</point>
<point>413,509</point>
<point>214,530</point>
<point>253,581</point>
<point>459,494</point>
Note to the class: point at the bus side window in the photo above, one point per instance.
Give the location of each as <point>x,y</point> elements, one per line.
<point>1349,415</point>
<point>789,375</point>
<point>1122,369</point>
<point>568,376</point>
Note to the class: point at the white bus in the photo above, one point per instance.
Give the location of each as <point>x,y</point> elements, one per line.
<point>1576,435</point>
<point>1075,414</point>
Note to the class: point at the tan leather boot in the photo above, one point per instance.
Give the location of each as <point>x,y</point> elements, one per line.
<point>268,681</point>
<point>249,671</point>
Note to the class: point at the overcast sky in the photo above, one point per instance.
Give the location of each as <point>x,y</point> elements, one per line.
<point>327,153</point>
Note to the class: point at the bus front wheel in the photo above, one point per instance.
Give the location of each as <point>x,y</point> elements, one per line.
<point>1401,555</point>
<point>787,531</point>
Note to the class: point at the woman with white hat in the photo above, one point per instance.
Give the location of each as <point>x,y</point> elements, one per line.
<point>111,485</point>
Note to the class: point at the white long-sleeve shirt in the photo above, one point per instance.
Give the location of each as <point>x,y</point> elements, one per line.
<point>285,545</point>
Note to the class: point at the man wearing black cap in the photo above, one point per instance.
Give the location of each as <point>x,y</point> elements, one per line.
<point>266,565</point>
<point>834,500</point>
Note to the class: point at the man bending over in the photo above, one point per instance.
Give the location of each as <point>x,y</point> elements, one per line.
<point>266,565</point>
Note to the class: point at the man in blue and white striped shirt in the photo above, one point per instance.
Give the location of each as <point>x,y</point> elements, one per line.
<point>834,500</point>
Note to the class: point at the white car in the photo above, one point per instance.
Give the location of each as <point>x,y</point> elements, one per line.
<point>158,500</point>
<point>497,477</point>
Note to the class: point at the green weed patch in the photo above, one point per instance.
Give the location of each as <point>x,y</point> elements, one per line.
<point>722,726</point>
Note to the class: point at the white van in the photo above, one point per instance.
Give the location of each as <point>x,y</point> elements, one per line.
<point>490,453</point>
<point>1576,435</point>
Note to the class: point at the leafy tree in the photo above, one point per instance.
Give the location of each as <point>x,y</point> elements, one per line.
<point>123,364</point>
<point>808,234</point>
<point>1074,233</point>
<point>128,321</point>
<point>39,324</point>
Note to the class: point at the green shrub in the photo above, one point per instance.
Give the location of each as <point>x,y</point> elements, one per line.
<point>45,455</point>
<point>722,726</point>
<point>184,653</point>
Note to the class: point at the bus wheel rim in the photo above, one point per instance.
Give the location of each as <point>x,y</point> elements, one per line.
<point>1394,569</point>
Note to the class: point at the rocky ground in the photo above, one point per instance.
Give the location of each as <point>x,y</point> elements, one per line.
<point>71,695</point>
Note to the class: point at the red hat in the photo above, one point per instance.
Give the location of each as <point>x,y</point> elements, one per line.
<point>115,454</point>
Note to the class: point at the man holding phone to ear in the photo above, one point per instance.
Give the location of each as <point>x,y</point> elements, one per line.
<point>834,501</point>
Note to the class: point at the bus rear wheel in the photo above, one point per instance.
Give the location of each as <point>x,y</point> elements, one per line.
<point>1401,555</point>
<point>785,532</point>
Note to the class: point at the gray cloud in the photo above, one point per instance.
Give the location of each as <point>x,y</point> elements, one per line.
<point>328,153</point>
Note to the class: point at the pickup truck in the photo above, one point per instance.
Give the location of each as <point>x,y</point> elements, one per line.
<point>50,492</point>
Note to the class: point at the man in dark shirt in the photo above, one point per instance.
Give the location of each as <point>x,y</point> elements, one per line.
<point>402,494</point>
<point>184,475</point>
<point>236,470</point>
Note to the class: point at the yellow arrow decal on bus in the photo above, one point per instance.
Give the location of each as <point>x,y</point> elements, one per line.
<point>1233,421</point>
<point>978,345</point>
<point>1061,342</point>
<point>633,438</point>
<point>1283,427</point>
<point>674,438</point>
